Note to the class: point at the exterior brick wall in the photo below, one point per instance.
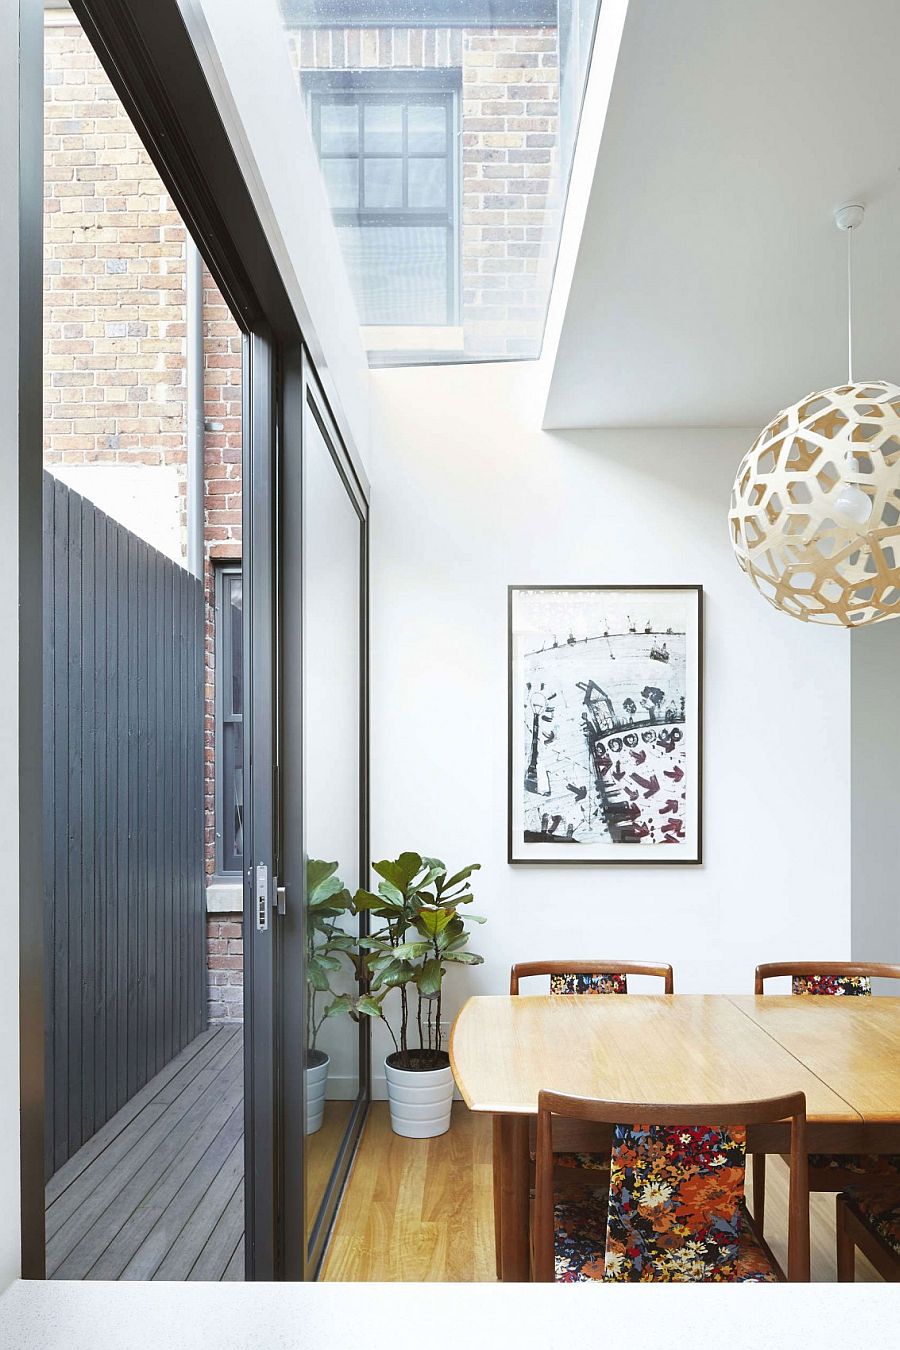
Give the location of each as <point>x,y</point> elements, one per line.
<point>509,160</point>
<point>114,335</point>
<point>225,967</point>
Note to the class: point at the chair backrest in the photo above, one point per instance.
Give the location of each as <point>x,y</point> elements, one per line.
<point>589,977</point>
<point>676,1185</point>
<point>826,977</point>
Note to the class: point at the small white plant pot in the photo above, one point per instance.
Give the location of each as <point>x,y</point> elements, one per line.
<point>316,1083</point>
<point>420,1100</point>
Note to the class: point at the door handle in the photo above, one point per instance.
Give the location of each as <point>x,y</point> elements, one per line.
<point>281,900</point>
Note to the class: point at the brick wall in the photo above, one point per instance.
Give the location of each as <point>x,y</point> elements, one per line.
<point>225,965</point>
<point>509,159</point>
<point>114,337</point>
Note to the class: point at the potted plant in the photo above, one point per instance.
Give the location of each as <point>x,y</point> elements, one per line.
<point>327,901</point>
<point>421,933</point>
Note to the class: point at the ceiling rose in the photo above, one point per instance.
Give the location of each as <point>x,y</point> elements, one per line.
<point>816,501</point>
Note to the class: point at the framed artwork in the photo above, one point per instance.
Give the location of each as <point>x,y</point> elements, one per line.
<point>605,724</point>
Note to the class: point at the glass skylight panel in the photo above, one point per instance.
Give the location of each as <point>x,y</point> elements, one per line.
<point>445,131</point>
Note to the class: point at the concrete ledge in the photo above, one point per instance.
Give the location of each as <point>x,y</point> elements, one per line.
<point>224,897</point>
<point>149,1315</point>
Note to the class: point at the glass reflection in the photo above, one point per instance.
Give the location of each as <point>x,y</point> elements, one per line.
<point>332,540</point>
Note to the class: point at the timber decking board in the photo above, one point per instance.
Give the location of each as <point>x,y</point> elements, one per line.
<point>159,1192</point>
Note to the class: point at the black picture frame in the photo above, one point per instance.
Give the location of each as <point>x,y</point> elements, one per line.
<point>565,852</point>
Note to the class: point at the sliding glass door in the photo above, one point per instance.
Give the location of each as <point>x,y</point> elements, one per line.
<point>323,700</point>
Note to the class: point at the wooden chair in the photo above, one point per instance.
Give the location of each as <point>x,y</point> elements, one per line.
<point>870,1220</point>
<point>686,1162</point>
<point>574,977</point>
<point>828,1171</point>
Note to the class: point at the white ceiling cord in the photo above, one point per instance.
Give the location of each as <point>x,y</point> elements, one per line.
<point>849,304</point>
<point>849,218</point>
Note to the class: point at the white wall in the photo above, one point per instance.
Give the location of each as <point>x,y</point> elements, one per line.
<point>875,791</point>
<point>469,497</point>
<point>9,667</point>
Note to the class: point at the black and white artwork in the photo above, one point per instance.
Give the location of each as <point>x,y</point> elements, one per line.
<point>605,724</point>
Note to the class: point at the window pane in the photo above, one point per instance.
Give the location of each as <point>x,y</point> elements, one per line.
<point>383,180</point>
<point>495,90</point>
<point>428,182</point>
<point>426,128</point>
<point>236,635</point>
<point>342,182</point>
<point>232,796</point>
<point>399,273</point>
<point>383,128</point>
<point>338,129</point>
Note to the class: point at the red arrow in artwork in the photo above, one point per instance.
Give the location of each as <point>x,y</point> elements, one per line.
<point>641,830</point>
<point>618,771</point>
<point>639,756</point>
<point>651,784</point>
<point>634,811</point>
<point>632,792</point>
<point>675,774</point>
<point>670,806</point>
<point>675,825</point>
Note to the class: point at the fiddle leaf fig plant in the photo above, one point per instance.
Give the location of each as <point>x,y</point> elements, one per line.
<point>328,945</point>
<point>421,932</point>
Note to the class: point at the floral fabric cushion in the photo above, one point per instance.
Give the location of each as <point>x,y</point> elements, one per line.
<point>881,1211</point>
<point>675,1195</point>
<point>580,1220</point>
<point>588,984</point>
<point>863,1164</point>
<point>831,984</point>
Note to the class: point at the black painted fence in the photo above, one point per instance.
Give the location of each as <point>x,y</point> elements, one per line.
<point>123,815</point>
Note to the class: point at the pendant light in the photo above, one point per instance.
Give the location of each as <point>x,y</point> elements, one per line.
<point>816,501</point>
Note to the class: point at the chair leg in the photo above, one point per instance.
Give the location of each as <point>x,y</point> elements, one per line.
<point>496,1170</point>
<point>846,1248</point>
<point>759,1189</point>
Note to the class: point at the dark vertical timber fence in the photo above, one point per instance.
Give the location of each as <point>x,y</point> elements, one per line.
<point>123,815</point>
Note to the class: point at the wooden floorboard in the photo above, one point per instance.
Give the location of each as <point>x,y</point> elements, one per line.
<point>157,1193</point>
<point>422,1209</point>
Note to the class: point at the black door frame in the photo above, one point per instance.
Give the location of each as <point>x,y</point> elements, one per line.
<point>148,55</point>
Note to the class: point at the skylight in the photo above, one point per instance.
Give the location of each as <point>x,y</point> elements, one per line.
<point>445,131</point>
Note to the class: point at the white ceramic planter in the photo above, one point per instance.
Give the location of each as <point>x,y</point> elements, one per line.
<point>316,1082</point>
<point>420,1101</point>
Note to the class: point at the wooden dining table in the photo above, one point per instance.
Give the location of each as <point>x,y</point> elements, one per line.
<point>843,1053</point>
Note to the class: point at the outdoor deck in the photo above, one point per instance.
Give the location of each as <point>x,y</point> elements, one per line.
<point>157,1193</point>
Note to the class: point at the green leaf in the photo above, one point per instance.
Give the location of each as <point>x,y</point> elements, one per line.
<point>342,1004</point>
<point>325,890</point>
<point>411,950</point>
<point>317,872</point>
<point>475,918</point>
<point>464,958</point>
<point>327,962</point>
<point>394,897</point>
<point>395,974</point>
<point>461,875</point>
<point>400,872</point>
<point>317,976</point>
<point>428,980</point>
<point>433,921</point>
<point>370,1006</point>
<point>366,900</point>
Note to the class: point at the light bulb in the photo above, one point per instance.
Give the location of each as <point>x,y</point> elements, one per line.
<point>853,502</point>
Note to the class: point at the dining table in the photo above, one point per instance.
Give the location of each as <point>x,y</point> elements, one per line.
<point>843,1053</point>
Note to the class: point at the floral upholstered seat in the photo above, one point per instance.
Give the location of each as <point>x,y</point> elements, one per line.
<point>588,984</point>
<point>862,1165</point>
<point>880,1211</point>
<point>831,984</point>
<point>674,1211</point>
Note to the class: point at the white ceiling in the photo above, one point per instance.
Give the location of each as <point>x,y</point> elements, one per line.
<point>709,288</point>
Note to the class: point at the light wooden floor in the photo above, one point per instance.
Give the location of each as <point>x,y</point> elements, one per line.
<point>419,1209</point>
<point>158,1192</point>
